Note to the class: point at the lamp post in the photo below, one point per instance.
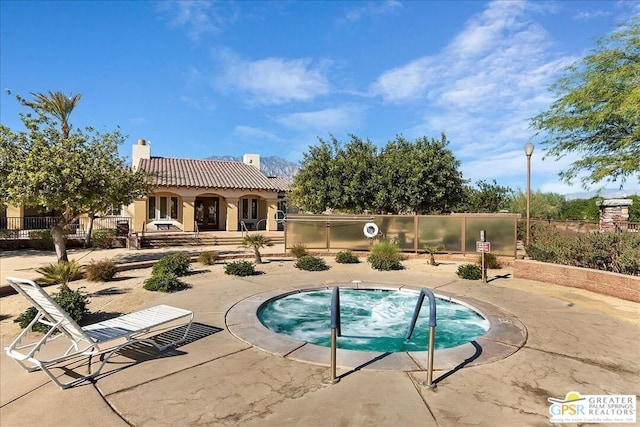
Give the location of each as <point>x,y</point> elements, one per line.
<point>528,151</point>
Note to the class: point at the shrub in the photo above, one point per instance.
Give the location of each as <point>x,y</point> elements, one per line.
<point>385,256</point>
<point>469,271</point>
<point>311,263</point>
<point>60,273</point>
<point>73,302</point>
<point>208,257</point>
<point>490,261</point>
<point>175,264</point>
<point>101,271</point>
<point>104,238</point>
<point>299,250</point>
<point>41,239</point>
<point>615,252</point>
<point>164,282</point>
<point>240,268</point>
<point>347,257</point>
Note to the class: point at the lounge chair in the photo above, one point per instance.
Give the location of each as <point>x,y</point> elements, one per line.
<point>103,338</point>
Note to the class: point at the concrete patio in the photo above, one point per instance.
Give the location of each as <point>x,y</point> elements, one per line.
<point>576,341</point>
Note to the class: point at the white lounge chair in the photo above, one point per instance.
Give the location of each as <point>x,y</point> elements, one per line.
<point>103,338</point>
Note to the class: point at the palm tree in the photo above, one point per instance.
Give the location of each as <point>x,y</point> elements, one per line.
<point>58,105</point>
<point>432,250</point>
<point>256,241</point>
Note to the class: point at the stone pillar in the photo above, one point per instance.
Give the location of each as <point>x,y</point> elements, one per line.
<point>272,210</point>
<point>232,214</point>
<point>188,214</point>
<point>614,214</point>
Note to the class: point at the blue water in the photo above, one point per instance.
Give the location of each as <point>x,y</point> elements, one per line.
<point>372,320</point>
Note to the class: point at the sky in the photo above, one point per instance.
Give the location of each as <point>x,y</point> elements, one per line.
<point>204,78</point>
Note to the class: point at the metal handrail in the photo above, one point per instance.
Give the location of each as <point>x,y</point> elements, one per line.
<point>336,330</point>
<point>243,228</point>
<point>432,330</point>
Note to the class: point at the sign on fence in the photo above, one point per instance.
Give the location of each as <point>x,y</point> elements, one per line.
<point>483,246</point>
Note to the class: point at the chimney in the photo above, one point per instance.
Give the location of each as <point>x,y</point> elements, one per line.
<point>140,151</point>
<point>251,159</point>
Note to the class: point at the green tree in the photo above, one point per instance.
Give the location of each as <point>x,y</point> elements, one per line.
<point>581,209</point>
<point>543,205</point>
<point>312,185</point>
<point>597,111</point>
<point>417,177</point>
<point>72,174</point>
<point>485,197</point>
<point>403,177</point>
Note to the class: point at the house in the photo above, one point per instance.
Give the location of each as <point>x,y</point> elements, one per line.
<point>190,195</point>
<point>201,195</point>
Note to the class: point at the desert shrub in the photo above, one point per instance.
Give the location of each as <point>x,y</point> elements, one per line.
<point>385,256</point>
<point>60,273</point>
<point>101,271</point>
<point>175,264</point>
<point>240,268</point>
<point>490,261</point>
<point>208,257</point>
<point>614,252</point>
<point>311,263</point>
<point>104,238</point>
<point>469,271</point>
<point>347,257</point>
<point>73,302</point>
<point>164,282</point>
<point>299,250</point>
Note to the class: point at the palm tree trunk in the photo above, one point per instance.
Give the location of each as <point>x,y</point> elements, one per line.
<point>256,251</point>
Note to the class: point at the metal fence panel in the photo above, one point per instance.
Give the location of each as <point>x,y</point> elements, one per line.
<point>436,230</point>
<point>456,233</point>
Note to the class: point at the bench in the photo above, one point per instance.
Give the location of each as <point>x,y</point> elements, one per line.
<point>165,225</point>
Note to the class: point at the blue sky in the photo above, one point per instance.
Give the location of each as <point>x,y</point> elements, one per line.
<point>201,78</point>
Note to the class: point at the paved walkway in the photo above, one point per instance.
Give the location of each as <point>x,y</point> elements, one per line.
<point>577,341</point>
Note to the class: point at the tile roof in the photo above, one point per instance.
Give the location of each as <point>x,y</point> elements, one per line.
<point>172,172</point>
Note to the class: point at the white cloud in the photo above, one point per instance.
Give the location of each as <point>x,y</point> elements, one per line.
<point>272,80</point>
<point>371,8</point>
<point>483,87</point>
<point>330,120</point>
<point>253,133</point>
<point>197,17</point>
<point>588,15</point>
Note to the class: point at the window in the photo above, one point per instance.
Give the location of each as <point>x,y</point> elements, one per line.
<point>174,208</point>
<point>163,207</point>
<point>249,208</point>
<point>152,208</point>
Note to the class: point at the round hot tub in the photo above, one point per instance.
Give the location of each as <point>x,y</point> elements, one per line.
<point>371,320</point>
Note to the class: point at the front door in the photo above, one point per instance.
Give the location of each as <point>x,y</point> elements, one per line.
<point>206,212</point>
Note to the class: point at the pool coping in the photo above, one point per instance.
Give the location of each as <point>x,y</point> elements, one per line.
<point>506,335</point>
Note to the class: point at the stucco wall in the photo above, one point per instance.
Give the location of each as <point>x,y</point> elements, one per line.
<point>613,284</point>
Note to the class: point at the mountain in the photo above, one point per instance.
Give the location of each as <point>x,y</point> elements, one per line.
<point>269,165</point>
<point>607,193</point>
